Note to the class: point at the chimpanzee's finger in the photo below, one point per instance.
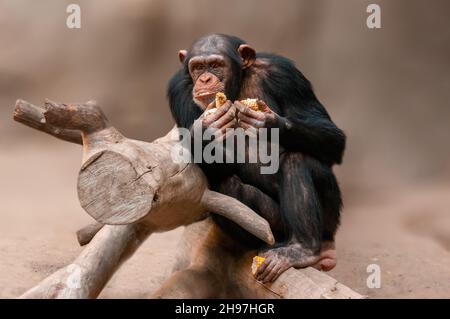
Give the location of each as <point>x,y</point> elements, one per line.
<point>226,132</point>
<point>221,111</point>
<point>263,267</point>
<point>276,271</point>
<point>248,111</point>
<point>228,103</point>
<point>225,106</point>
<point>244,125</point>
<point>229,125</point>
<point>249,120</point>
<point>262,276</point>
<point>263,106</point>
<point>211,105</point>
<point>219,133</point>
<point>226,117</point>
<point>249,130</point>
<point>213,117</point>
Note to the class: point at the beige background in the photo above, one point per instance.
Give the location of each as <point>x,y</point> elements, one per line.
<point>389,89</point>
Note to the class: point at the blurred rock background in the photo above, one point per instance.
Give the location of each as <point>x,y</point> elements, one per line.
<point>389,89</point>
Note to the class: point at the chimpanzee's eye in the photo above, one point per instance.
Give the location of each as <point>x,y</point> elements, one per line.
<point>196,67</point>
<point>214,65</point>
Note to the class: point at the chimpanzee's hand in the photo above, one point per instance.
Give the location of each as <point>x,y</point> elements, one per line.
<point>220,119</point>
<point>248,118</point>
<point>276,262</point>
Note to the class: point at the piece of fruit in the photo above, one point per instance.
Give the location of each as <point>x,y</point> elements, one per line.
<point>221,98</point>
<point>251,103</point>
<point>257,261</point>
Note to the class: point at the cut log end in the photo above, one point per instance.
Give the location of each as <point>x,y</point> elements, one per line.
<point>111,191</point>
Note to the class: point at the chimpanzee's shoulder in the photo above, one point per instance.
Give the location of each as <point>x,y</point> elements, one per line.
<point>279,74</point>
<point>276,63</point>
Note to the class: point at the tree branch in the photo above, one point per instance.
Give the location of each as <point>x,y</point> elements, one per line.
<point>33,116</point>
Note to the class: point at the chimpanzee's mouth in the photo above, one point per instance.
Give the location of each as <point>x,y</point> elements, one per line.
<point>203,95</point>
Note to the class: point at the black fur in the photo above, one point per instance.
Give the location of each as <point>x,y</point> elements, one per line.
<point>291,95</point>
<point>302,201</point>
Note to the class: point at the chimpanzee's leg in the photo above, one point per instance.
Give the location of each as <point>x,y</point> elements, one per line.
<point>327,259</point>
<point>331,200</point>
<point>302,189</point>
<point>257,200</point>
<point>254,198</point>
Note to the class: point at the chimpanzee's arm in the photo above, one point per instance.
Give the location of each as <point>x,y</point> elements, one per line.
<point>309,129</point>
<point>304,124</point>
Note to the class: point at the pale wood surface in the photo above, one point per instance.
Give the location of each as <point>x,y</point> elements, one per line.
<point>211,258</point>
<point>85,234</point>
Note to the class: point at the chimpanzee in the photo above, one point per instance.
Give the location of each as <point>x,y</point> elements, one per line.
<point>302,201</point>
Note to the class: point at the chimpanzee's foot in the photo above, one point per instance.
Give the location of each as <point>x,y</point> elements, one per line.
<point>278,260</point>
<point>327,258</point>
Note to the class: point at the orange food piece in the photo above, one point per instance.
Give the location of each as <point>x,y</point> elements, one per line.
<point>221,98</point>
<point>251,103</point>
<point>257,261</point>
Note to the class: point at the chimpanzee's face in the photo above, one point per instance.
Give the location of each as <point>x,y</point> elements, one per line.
<point>212,70</point>
<point>210,74</point>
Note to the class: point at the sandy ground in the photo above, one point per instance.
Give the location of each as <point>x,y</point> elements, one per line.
<point>404,231</point>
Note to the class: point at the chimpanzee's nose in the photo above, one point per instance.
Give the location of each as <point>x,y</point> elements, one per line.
<point>205,78</point>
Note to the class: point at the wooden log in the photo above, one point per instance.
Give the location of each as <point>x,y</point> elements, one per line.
<point>85,117</point>
<point>33,116</point>
<point>85,234</point>
<point>305,283</point>
<point>91,270</point>
<point>123,181</point>
<point>237,212</point>
<point>207,258</point>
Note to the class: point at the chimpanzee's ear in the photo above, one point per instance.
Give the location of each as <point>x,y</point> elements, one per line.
<point>248,55</point>
<point>182,55</point>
